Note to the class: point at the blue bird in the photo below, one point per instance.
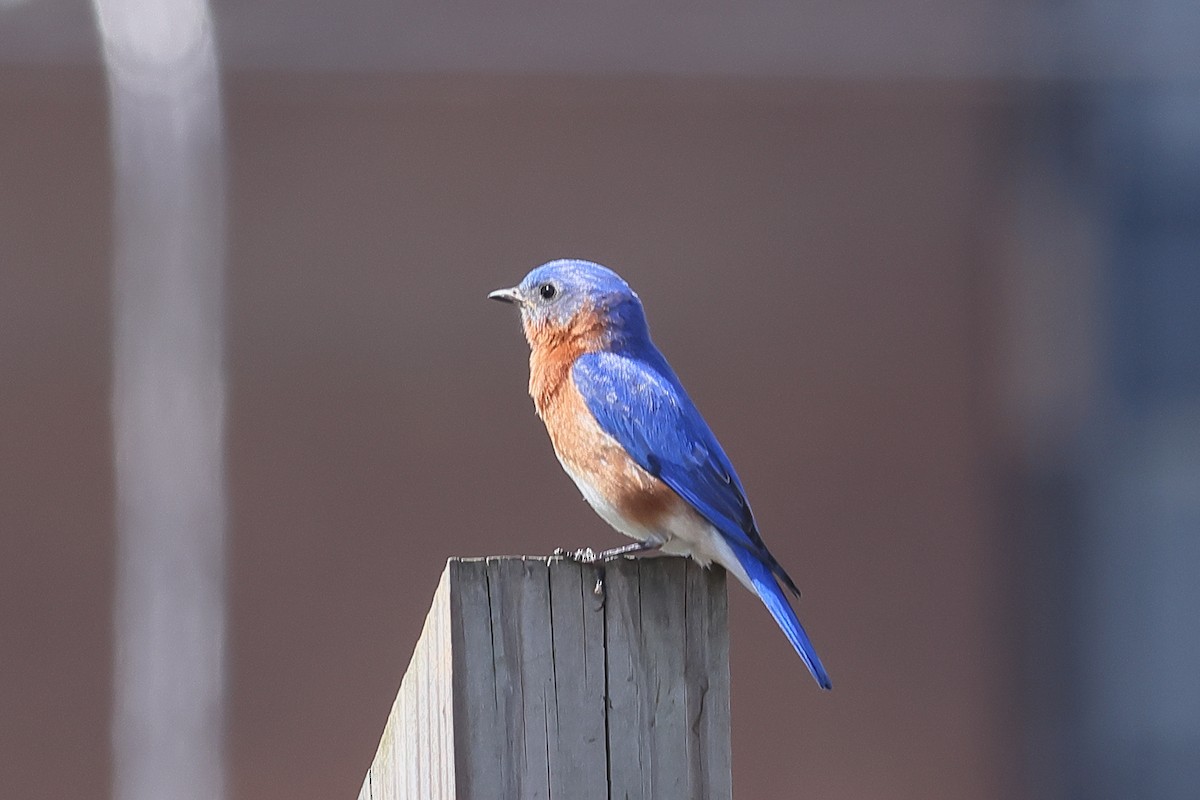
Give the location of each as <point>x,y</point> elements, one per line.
<point>627,433</point>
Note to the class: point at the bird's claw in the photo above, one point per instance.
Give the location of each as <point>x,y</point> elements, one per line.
<point>584,555</point>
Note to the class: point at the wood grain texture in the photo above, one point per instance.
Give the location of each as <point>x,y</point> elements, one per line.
<point>415,758</point>
<point>667,645</point>
<point>524,684</point>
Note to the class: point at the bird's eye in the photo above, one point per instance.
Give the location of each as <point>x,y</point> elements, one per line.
<point>547,291</point>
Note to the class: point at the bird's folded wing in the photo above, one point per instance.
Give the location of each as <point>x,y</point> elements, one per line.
<point>651,416</point>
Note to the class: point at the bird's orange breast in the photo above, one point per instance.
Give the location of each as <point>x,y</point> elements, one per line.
<point>585,449</point>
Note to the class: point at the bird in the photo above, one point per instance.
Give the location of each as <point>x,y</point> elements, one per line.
<point>629,436</point>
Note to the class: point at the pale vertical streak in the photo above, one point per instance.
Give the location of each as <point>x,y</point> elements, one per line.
<point>168,395</point>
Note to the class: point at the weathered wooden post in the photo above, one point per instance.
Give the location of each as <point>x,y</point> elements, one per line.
<point>525,685</point>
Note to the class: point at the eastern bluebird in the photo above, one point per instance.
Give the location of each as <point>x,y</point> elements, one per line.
<point>627,433</point>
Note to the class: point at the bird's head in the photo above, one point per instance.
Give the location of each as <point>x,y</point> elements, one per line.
<point>576,300</point>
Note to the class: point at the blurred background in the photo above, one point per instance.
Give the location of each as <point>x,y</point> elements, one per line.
<point>930,269</point>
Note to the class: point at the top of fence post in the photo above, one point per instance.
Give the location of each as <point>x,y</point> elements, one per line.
<point>526,684</point>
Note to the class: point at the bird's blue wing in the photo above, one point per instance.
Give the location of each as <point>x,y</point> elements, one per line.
<point>639,402</point>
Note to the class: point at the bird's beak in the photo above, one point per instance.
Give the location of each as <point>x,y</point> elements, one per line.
<point>507,296</point>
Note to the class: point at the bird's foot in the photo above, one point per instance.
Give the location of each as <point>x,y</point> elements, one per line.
<point>584,555</point>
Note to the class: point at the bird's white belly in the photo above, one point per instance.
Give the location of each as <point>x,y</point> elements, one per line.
<point>683,532</point>
<point>607,511</point>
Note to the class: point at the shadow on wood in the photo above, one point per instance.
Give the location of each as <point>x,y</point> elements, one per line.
<point>525,685</point>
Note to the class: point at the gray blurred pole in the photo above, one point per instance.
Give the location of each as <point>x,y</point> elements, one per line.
<point>168,393</point>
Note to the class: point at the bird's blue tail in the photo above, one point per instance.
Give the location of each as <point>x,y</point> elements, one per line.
<point>777,603</point>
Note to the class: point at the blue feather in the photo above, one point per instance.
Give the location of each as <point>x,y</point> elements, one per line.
<point>636,398</point>
<point>640,404</point>
<point>777,603</point>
